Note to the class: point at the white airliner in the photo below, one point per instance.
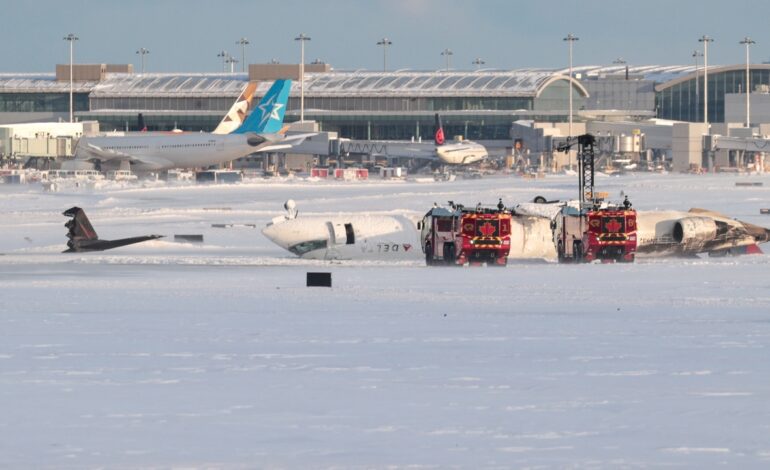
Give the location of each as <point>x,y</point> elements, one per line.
<point>234,138</point>
<point>387,237</point>
<point>459,152</point>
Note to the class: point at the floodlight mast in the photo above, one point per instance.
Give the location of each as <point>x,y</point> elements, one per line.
<point>706,40</point>
<point>302,38</point>
<point>384,42</point>
<point>747,41</point>
<point>71,38</point>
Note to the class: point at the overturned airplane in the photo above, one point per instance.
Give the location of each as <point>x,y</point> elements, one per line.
<point>396,237</point>
<point>83,237</point>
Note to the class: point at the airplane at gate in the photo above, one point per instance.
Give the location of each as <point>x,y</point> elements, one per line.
<point>457,153</point>
<point>259,132</point>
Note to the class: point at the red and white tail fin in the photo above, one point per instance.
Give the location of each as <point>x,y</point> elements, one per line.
<point>438,138</point>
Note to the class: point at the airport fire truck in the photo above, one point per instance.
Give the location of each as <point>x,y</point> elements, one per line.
<point>458,235</point>
<point>603,233</point>
<point>591,229</point>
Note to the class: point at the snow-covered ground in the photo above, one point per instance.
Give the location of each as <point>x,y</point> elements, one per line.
<point>167,354</point>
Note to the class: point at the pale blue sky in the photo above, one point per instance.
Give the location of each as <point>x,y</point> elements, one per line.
<point>186,35</point>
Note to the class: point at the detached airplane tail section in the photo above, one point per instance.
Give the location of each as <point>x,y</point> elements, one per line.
<point>79,227</point>
<point>237,113</point>
<point>267,116</point>
<point>83,237</point>
<point>438,138</point>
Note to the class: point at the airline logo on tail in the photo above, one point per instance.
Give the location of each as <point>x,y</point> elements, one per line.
<point>270,110</point>
<point>237,113</point>
<point>439,137</point>
<point>267,117</point>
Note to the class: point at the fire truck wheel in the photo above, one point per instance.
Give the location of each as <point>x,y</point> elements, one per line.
<point>449,253</point>
<point>577,250</point>
<point>539,200</point>
<point>428,254</point>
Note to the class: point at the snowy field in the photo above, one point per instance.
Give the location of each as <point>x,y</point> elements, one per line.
<point>216,355</point>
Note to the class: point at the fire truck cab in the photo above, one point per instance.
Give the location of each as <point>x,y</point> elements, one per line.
<point>459,235</point>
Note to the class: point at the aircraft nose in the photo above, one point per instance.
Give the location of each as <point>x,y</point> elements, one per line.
<point>280,234</point>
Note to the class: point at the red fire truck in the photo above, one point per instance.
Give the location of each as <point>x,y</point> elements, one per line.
<point>460,235</point>
<point>605,233</point>
<point>590,229</point>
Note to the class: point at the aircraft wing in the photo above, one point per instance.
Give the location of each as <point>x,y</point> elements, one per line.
<point>90,151</point>
<point>296,139</point>
<point>275,142</point>
<point>273,148</point>
<point>93,152</point>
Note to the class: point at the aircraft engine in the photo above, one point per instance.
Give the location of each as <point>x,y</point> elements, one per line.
<point>255,140</point>
<point>692,231</point>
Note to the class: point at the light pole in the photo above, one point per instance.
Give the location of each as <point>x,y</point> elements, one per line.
<point>302,38</point>
<point>224,55</point>
<point>142,52</point>
<point>71,38</point>
<point>695,55</point>
<point>243,42</point>
<point>447,53</point>
<point>232,61</point>
<point>705,40</point>
<point>570,39</point>
<point>384,42</point>
<point>748,42</point>
<point>478,62</point>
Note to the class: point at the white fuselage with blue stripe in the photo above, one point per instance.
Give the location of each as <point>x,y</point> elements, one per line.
<point>163,151</point>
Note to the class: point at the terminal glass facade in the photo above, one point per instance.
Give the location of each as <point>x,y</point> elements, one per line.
<point>42,102</point>
<point>684,101</point>
<point>374,127</point>
<point>129,121</point>
<point>162,103</point>
<point>399,104</point>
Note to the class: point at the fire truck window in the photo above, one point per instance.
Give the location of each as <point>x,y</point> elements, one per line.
<point>351,236</point>
<point>444,225</point>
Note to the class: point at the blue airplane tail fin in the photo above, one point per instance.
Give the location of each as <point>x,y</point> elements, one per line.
<point>267,116</point>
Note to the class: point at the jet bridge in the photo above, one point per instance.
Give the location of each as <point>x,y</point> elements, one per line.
<point>748,151</point>
<point>327,144</point>
<point>746,144</point>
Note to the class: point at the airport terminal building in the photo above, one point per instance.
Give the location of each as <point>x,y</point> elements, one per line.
<point>481,105</point>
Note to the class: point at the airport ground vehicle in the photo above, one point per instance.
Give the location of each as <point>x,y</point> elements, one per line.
<point>606,233</point>
<point>591,229</point>
<point>458,235</point>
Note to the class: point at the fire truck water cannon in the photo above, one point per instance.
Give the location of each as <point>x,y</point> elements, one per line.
<point>458,235</point>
